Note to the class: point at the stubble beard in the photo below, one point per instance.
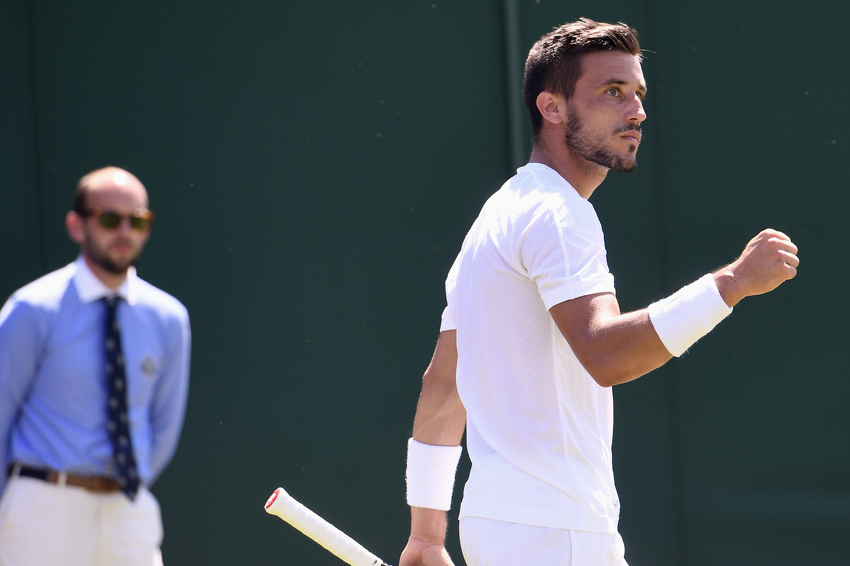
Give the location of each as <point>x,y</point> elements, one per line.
<point>100,256</point>
<point>583,145</point>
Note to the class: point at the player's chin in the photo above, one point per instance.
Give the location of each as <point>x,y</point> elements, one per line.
<point>623,164</point>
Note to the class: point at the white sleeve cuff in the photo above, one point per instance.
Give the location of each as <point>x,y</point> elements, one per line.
<point>447,322</point>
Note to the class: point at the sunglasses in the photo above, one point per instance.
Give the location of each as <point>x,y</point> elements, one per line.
<point>140,219</point>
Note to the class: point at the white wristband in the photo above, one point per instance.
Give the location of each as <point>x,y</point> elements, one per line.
<point>688,314</point>
<point>431,474</point>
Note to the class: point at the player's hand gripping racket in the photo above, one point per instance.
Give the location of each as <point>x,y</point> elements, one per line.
<point>340,544</point>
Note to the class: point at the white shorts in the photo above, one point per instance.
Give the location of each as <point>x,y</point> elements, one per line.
<point>487,542</point>
<point>44,523</point>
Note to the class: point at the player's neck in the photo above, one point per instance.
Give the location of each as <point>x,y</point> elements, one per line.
<point>582,175</point>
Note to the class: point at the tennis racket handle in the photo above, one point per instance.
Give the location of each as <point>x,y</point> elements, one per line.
<point>337,542</point>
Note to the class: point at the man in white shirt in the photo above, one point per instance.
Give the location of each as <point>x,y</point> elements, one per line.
<point>533,339</point>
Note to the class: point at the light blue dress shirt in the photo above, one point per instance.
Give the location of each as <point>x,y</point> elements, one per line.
<point>53,382</point>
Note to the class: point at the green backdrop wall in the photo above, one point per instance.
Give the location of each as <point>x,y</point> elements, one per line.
<point>314,167</point>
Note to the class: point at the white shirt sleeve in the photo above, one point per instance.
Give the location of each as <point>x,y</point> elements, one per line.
<point>564,252</point>
<point>448,319</point>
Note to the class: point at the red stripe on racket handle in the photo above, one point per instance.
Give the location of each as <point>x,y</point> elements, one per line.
<point>337,542</point>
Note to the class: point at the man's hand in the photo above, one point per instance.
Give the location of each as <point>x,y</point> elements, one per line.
<point>425,547</point>
<point>421,553</point>
<point>769,260</point>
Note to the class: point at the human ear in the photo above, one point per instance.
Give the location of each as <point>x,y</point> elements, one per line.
<point>74,223</point>
<point>551,107</point>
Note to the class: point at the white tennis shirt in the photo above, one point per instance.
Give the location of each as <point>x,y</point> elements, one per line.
<point>539,427</point>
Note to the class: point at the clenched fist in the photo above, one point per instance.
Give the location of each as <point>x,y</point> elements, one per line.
<point>769,260</point>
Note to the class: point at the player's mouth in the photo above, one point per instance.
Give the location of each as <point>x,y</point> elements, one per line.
<point>632,135</point>
<point>631,132</point>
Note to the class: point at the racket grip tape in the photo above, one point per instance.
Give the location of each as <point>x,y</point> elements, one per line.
<point>334,540</point>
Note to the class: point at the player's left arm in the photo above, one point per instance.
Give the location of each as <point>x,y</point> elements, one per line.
<point>615,348</point>
<point>169,402</point>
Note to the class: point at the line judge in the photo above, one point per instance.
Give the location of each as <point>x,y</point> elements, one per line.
<point>94,376</point>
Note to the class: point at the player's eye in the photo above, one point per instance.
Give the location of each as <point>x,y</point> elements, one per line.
<point>613,92</point>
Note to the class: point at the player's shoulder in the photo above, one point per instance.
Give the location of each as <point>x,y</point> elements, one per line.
<point>546,202</point>
<point>538,185</point>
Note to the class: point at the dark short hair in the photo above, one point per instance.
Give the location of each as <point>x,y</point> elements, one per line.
<point>554,62</point>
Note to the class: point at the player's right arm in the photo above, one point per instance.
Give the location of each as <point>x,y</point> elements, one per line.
<point>440,416</point>
<point>440,421</point>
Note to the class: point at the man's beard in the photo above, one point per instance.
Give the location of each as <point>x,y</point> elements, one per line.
<point>101,258</point>
<point>583,145</point>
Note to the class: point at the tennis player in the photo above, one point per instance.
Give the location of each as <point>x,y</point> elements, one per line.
<point>533,339</point>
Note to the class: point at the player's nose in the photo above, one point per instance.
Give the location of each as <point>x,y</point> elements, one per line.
<point>636,112</point>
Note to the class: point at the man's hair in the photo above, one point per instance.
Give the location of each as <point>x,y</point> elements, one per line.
<point>554,62</point>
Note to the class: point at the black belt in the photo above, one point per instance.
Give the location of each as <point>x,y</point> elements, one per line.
<point>96,484</point>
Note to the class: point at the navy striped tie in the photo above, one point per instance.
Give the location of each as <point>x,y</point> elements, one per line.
<point>118,423</point>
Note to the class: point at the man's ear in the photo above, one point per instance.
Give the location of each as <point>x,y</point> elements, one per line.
<point>75,224</point>
<point>552,107</point>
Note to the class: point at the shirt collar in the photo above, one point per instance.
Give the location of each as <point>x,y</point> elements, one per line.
<point>90,288</point>
<point>554,175</point>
